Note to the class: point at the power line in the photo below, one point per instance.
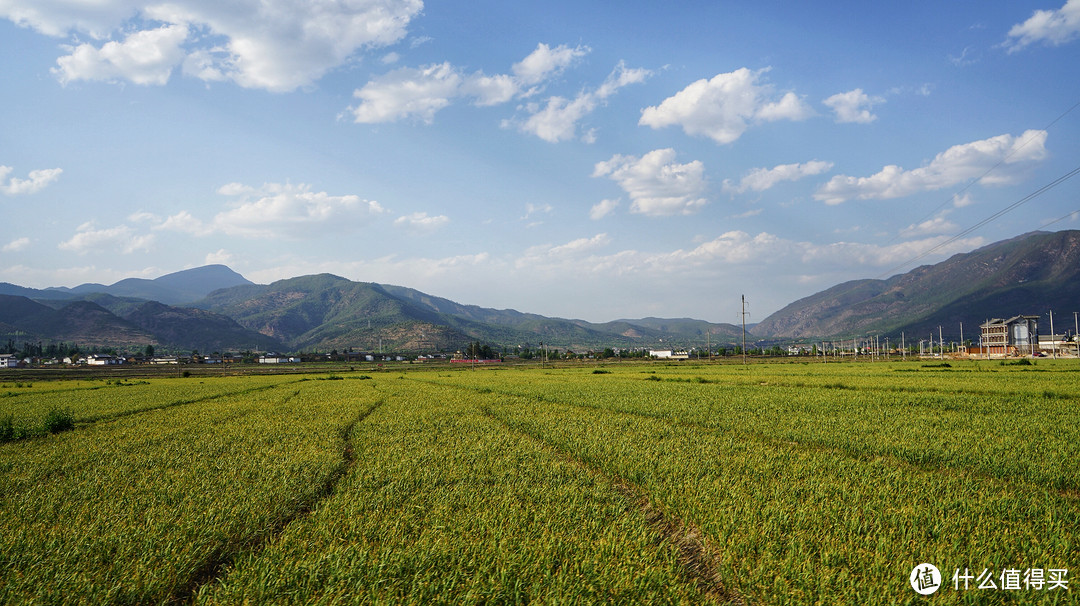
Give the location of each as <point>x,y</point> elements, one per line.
<point>989,170</point>
<point>1035,194</point>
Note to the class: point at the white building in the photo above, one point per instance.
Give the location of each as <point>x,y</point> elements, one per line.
<point>667,354</point>
<point>9,361</point>
<point>103,360</point>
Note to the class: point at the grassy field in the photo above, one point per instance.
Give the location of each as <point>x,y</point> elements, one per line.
<point>625,483</point>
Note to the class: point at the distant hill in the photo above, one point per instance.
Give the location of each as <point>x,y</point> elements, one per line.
<point>81,322</point>
<point>1029,274</point>
<point>172,289</point>
<point>326,311</point>
<point>224,311</point>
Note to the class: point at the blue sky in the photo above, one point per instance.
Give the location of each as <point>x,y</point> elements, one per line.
<point>592,160</point>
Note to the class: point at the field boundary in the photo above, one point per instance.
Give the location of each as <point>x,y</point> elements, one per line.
<point>218,565</point>
<point>698,558</point>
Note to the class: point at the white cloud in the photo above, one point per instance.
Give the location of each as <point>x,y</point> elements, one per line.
<point>562,252</point>
<point>1005,157</point>
<point>221,257</point>
<point>407,93</point>
<point>558,119</point>
<point>602,209</point>
<point>419,93</point>
<point>278,45</point>
<point>532,209</point>
<point>278,210</point>
<point>761,179</point>
<point>545,62</point>
<point>937,225</point>
<point>144,57</point>
<point>1054,27</point>
<point>725,106</point>
<point>854,106</point>
<point>184,222</point>
<point>37,180</point>
<point>16,245</point>
<point>421,221</point>
<point>962,200</point>
<point>121,238</point>
<point>656,184</point>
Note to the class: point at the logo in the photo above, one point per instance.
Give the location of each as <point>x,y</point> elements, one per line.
<point>925,579</point>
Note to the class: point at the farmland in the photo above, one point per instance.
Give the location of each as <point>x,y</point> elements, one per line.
<point>626,483</point>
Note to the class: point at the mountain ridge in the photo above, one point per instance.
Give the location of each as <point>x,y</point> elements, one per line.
<point>1021,275</point>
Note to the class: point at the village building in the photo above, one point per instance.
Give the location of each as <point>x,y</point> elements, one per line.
<point>667,354</point>
<point>9,361</point>
<point>1017,336</point>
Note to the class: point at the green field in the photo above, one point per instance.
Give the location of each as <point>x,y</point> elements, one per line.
<point>626,483</point>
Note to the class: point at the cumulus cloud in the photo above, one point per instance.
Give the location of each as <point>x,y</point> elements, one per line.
<point>723,107</point>
<point>38,180</point>
<point>144,57</point>
<point>854,106</point>
<point>557,120</point>
<point>421,221</point>
<point>407,93</point>
<point>602,209</point>
<point>761,179</point>
<point>277,45</point>
<point>995,161</point>
<point>278,210</point>
<point>1053,27</point>
<point>656,184</point>
<point>419,93</point>
<point>16,245</point>
<point>121,238</point>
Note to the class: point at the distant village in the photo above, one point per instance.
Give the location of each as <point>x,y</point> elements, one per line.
<point>1015,337</point>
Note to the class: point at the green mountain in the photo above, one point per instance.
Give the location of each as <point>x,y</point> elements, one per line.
<point>82,322</point>
<point>1029,274</point>
<point>329,312</point>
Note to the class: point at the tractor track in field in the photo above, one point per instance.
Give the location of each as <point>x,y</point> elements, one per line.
<point>224,558</point>
<point>699,559</point>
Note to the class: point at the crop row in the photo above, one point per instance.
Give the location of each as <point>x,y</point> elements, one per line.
<point>443,505</point>
<point>139,509</point>
<point>797,525</point>
<point>1026,438</point>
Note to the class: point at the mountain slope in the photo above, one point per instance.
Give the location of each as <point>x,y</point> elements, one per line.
<point>81,322</point>
<point>1025,275</point>
<point>172,289</point>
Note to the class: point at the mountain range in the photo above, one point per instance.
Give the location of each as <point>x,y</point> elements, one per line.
<point>1030,274</point>
<point>213,308</point>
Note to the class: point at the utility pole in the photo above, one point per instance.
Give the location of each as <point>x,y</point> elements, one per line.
<point>1053,343</point>
<point>1076,334</point>
<point>941,341</point>
<point>742,314</point>
<point>903,347</point>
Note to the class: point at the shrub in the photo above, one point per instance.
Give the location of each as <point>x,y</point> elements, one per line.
<point>59,420</point>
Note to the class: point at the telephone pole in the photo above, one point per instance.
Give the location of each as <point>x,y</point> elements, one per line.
<point>1053,343</point>
<point>743,315</point>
